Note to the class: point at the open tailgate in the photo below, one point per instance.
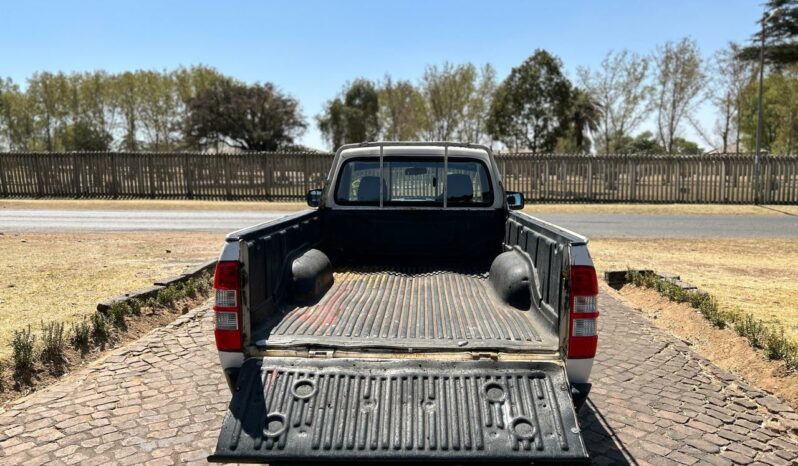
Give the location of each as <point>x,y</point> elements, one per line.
<point>333,410</point>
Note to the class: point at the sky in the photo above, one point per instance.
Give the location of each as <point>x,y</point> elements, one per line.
<point>311,48</point>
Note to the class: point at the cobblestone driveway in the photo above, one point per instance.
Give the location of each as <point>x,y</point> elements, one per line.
<point>161,401</point>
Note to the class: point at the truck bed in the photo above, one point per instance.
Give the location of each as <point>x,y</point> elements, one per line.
<point>407,308</point>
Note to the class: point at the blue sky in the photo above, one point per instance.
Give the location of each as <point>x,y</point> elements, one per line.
<point>310,48</point>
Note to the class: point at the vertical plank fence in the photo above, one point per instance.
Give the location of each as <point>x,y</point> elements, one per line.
<point>719,179</point>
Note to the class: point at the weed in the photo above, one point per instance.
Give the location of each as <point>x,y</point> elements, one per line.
<point>116,314</point>
<point>54,341</point>
<point>166,296</point>
<point>81,333</point>
<point>151,303</point>
<point>22,351</point>
<point>99,324</point>
<point>134,305</point>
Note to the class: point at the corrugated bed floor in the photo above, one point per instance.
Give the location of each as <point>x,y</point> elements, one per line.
<point>409,308</point>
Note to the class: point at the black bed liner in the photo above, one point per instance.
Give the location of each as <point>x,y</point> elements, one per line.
<point>332,410</point>
<point>408,308</point>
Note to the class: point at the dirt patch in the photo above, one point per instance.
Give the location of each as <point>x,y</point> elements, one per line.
<point>62,276</point>
<point>723,347</point>
<point>756,276</point>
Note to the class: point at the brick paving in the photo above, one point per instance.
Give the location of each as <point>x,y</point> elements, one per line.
<point>161,400</point>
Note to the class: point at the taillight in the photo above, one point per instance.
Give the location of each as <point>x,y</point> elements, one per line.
<point>227,306</point>
<point>583,336</point>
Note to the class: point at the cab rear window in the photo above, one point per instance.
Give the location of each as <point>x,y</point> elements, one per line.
<point>414,181</point>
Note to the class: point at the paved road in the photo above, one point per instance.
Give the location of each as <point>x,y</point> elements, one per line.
<point>594,226</point>
<point>161,400</point>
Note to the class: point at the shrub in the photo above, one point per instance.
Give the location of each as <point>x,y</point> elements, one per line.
<point>81,333</point>
<point>116,314</point>
<point>54,341</point>
<point>151,303</point>
<point>22,350</point>
<point>203,283</point>
<point>166,296</point>
<point>99,325</point>
<point>752,329</point>
<point>134,305</point>
<point>774,343</point>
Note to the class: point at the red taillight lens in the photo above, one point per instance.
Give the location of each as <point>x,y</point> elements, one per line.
<point>583,336</point>
<point>227,306</point>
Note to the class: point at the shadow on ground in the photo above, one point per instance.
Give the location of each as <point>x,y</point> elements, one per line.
<point>602,443</point>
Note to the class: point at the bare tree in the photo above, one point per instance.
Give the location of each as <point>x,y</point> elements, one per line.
<point>619,87</point>
<point>730,76</point>
<point>679,80</point>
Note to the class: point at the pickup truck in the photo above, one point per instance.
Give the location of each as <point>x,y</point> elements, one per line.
<point>413,315</point>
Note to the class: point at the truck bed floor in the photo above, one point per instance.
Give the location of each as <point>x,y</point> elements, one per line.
<point>409,308</point>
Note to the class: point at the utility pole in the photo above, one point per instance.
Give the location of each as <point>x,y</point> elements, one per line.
<point>758,188</point>
<point>757,166</point>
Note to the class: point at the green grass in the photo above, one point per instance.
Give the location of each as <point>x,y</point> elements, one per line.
<point>771,339</point>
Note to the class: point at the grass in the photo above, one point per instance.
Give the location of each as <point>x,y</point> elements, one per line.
<point>106,327</point>
<point>60,277</point>
<point>770,338</point>
<point>259,206</point>
<point>661,209</point>
<point>758,277</point>
<point>151,204</point>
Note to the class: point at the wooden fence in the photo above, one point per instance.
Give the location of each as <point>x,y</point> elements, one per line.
<point>288,176</point>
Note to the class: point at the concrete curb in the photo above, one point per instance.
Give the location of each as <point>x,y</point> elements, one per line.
<point>152,291</point>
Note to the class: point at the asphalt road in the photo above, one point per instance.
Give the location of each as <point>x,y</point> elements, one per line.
<point>592,225</point>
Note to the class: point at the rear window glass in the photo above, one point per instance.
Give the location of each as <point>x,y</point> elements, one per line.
<point>414,181</point>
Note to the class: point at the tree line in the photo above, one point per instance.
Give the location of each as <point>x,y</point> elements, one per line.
<point>536,107</point>
<point>188,108</point>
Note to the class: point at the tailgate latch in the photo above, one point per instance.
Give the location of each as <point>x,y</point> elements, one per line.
<point>485,355</point>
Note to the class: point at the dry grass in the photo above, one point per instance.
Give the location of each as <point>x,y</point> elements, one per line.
<point>259,206</point>
<point>660,209</point>
<point>756,276</point>
<point>61,277</point>
<point>147,204</point>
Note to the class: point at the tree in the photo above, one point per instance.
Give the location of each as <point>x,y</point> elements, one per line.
<point>158,109</point>
<point>48,94</point>
<point>447,91</point>
<point>584,117</point>
<point>474,128</point>
<point>126,98</point>
<point>256,117</point>
<point>679,80</point>
<point>82,136</point>
<point>643,143</point>
<point>620,88</point>
<point>401,110</point>
<point>16,117</point>
<point>780,23</point>
<point>780,112</point>
<point>531,105</point>
<point>730,76</point>
<point>353,116</point>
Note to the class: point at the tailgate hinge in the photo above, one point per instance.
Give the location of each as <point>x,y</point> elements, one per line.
<point>485,355</point>
<point>321,354</point>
